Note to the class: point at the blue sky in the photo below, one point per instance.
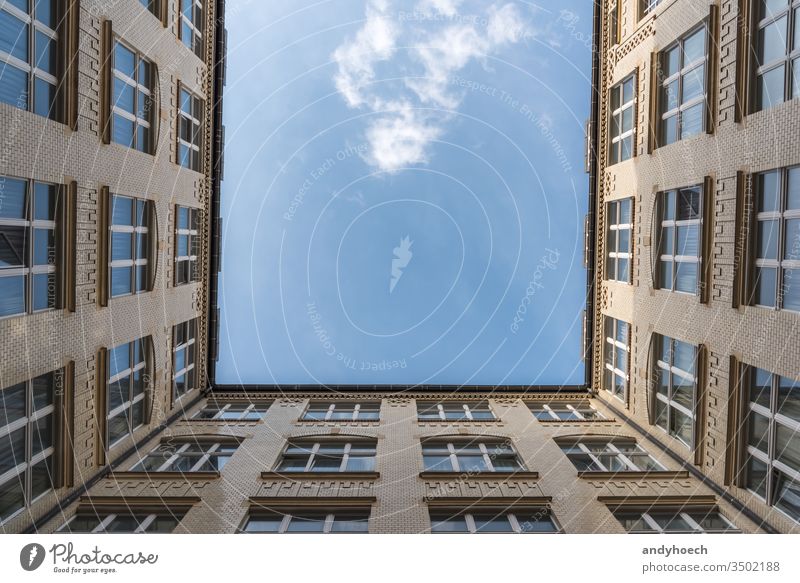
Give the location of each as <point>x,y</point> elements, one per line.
<point>404,194</point>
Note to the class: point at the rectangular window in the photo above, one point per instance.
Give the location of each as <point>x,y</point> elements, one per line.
<point>130,241</point>
<point>342,520</point>
<point>470,456</point>
<point>29,56</point>
<point>479,520</point>
<point>190,121</point>
<point>187,245</point>
<point>777,239</point>
<point>619,245</point>
<point>564,411</point>
<point>191,25</point>
<point>623,105</point>
<point>132,103</point>
<point>328,456</point>
<point>90,520</point>
<point>154,6</point>
<point>666,520</point>
<point>184,374</point>
<point>326,411</point>
<point>683,87</point>
<point>194,456</point>
<point>127,383</point>
<point>610,456</point>
<point>680,225</point>
<point>616,353</point>
<point>27,442</point>
<point>772,439</point>
<point>647,6</point>
<point>776,52</point>
<point>675,388</point>
<point>479,411</point>
<point>29,247</point>
<point>232,411</point>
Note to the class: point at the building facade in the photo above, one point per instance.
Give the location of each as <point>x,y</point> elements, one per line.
<point>111,422</point>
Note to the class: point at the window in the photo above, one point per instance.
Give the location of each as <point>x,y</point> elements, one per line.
<point>564,411</point>
<point>470,456</point>
<point>183,357</point>
<point>191,30</point>
<point>131,243</point>
<point>614,22</point>
<point>618,240</point>
<point>454,411</point>
<point>351,520</point>
<point>777,245</point>
<point>623,102</point>
<point>29,56</point>
<point>127,383</point>
<point>679,239</point>
<point>187,245</point>
<point>675,387</point>
<point>28,246</point>
<point>776,52</point>
<point>132,107</point>
<point>190,118</point>
<point>658,520</point>
<point>126,521</point>
<point>154,6</point>
<point>488,520</point>
<point>328,456</point>
<point>27,443</point>
<point>616,351</point>
<point>232,411</point>
<point>195,456</point>
<point>324,411</point>
<point>772,465</point>
<point>682,79</point>
<point>647,6</point>
<point>610,456</point>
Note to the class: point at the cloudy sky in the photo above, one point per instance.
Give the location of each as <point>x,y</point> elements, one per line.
<point>404,193</point>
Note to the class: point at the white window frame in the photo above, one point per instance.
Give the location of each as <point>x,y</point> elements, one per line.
<point>330,518</point>
<point>615,143</point>
<point>109,518</point>
<point>669,402</point>
<point>133,231</point>
<point>615,225</point>
<point>513,519</point>
<point>611,343</point>
<point>695,526</point>
<point>674,224</point>
<point>790,59</point>
<point>466,406</point>
<point>221,410</point>
<point>612,449</point>
<point>332,408</point>
<point>314,450</point>
<point>196,125</point>
<point>452,450</point>
<point>211,449</point>
<point>578,412</point>
<point>137,89</point>
<point>196,42</point>
<point>647,6</point>
<point>129,403</point>
<point>192,234</point>
<point>189,367</point>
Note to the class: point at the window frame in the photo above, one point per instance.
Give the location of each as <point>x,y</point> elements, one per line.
<point>193,245</point>
<point>659,367</point>
<point>212,448</point>
<point>610,369</point>
<point>196,42</point>
<point>612,449</point>
<point>616,115</point>
<point>252,406</point>
<point>444,415</point>
<point>513,515</point>
<point>647,7</point>
<point>675,224</point>
<point>145,366</point>
<point>313,454</point>
<point>109,516</point>
<point>615,256</point>
<point>292,513</point>
<point>790,61</point>
<point>331,409</point>
<point>189,345</point>
<point>454,446</point>
<point>135,263</point>
<point>578,409</point>
<point>150,93</point>
<point>196,124</point>
<point>684,513</point>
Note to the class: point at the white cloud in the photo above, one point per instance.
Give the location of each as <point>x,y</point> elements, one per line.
<point>447,8</point>
<point>505,25</point>
<point>400,140</point>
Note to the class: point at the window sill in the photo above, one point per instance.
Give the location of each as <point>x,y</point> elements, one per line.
<point>581,421</point>
<point>337,421</point>
<point>646,475</point>
<point>521,475</point>
<point>138,475</point>
<point>223,421</point>
<point>321,475</point>
<point>447,421</point>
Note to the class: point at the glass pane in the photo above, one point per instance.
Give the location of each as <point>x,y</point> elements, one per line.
<point>13,246</point>
<point>671,522</point>
<point>13,36</point>
<point>306,524</point>
<point>758,432</point>
<point>162,524</point>
<point>787,447</point>
<point>44,291</point>
<point>772,41</point>
<point>662,411</point>
<point>12,404</point>
<point>681,426</point>
<point>441,523</point>
<point>688,240</point>
<point>119,359</point>
<point>789,398</point>
<point>489,523</point>
<point>791,290</point>
<point>121,210</point>
<point>694,47</point>
<point>118,393</point>
<point>625,211</point>
<point>671,62</point>
<point>121,278</point>
<point>688,203</point>
<point>44,97</point>
<point>345,524</point>
<point>665,275</point>
<point>12,295</point>
<point>11,497</point>
<point>622,270</point>
<point>634,522</point>
<point>437,463</point>
<point>360,464</point>
<point>45,53</point>
<point>692,120</point>
<point>12,450</point>
<point>793,186</point>
<point>118,428</point>
<point>711,522</point>
<point>124,60</point>
<point>13,86</point>
<point>686,277</point>
<point>760,387</point>
<point>44,201</point>
<point>769,88</point>
<point>41,434</point>
<point>766,286</point>
<point>768,239</point>
<point>669,130</point>
<point>694,84</point>
<point>41,477</point>
<point>122,131</point>
<point>44,247</point>
<point>757,476</point>
<point>264,524</point>
<point>788,496</point>
<point>123,95</point>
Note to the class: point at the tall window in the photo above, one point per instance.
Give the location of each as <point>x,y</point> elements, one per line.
<point>183,357</point>
<point>133,106</point>
<point>616,350</point>
<point>679,239</point>
<point>610,456</point>
<point>776,52</point>
<point>772,465</point>
<point>682,99</point>
<point>191,31</point>
<point>623,104</point>
<point>564,411</point>
<point>190,119</point>
<point>675,389</point>
<point>194,456</point>
<point>326,411</point>
<point>29,55</point>
<point>618,240</point>
<point>27,446</point>
<point>487,520</point>
<point>154,6</point>
<point>232,411</point>
<point>341,520</point>
<point>777,265</point>
<point>187,245</point>
<point>671,520</point>
<point>427,411</point>
<point>647,6</point>
<point>128,520</point>
<point>470,456</point>
<point>328,456</point>
<point>127,380</point>
<point>28,248</point>
<point>130,242</point>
